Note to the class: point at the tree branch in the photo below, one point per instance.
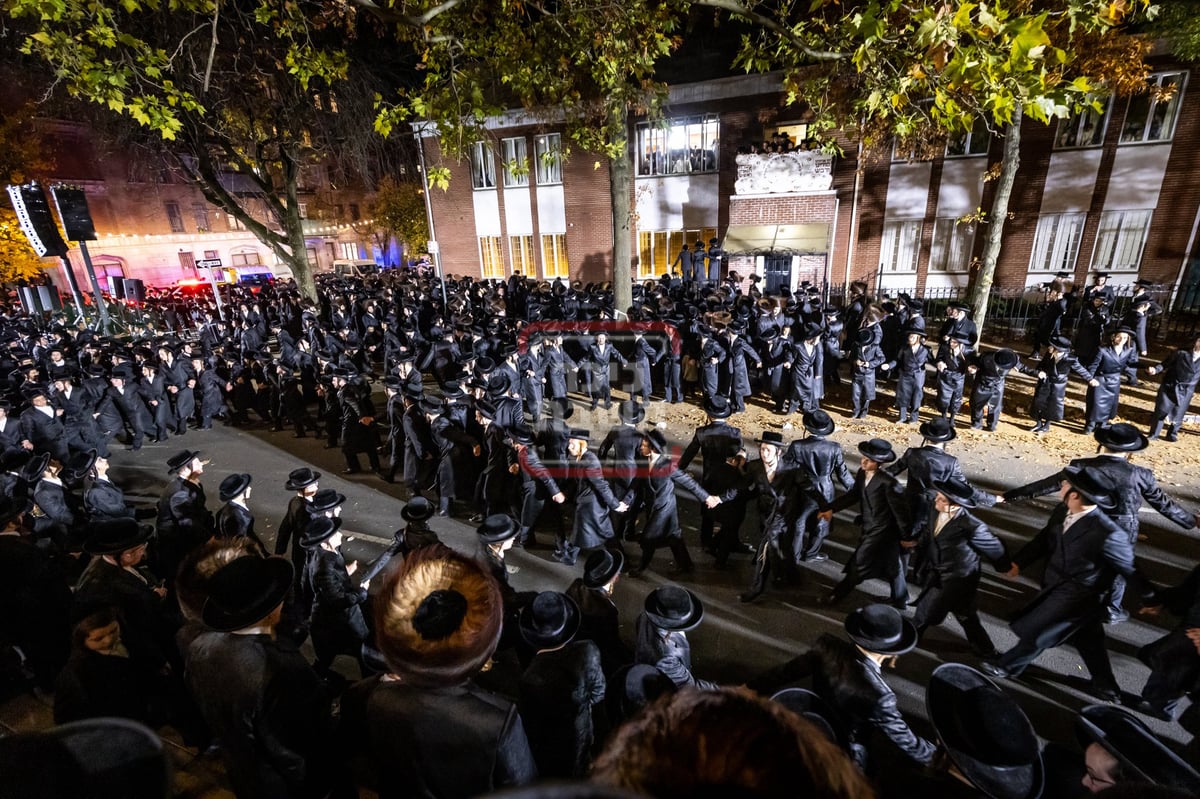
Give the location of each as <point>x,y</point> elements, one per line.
<point>735,7</point>
<point>212,47</point>
<point>388,15</point>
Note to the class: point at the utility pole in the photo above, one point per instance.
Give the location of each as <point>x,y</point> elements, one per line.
<point>432,246</point>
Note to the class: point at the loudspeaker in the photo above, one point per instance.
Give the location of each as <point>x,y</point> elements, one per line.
<point>49,298</point>
<point>73,209</point>
<point>33,213</point>
<point>135,290</point>
<point>29,299</point>
<point>116,287</point>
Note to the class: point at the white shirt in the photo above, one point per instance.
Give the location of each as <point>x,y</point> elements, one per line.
<point>867,479</point>
<point>1074,517</point>
<point>46,410</point>
<point>942,519</point>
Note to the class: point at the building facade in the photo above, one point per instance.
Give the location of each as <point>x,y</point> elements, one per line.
<point>1115,191</point>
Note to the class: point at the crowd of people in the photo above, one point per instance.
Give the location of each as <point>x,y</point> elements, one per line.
<point>467,685</point>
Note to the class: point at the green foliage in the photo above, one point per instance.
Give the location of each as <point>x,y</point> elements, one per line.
<point>18,262</point>
<point>399,212</point>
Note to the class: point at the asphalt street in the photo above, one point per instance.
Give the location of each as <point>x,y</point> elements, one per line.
<point>735,640</point>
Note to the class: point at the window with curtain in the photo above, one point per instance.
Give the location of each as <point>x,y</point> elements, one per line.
<point>520,249</point>
<point>554,256</point>
<point>952,244</point>
<point>516,164</point>
<point>901,245</point>
<point>483,166</point>
<point>547,150</point>
<point>1120,241</point>
<point>1056,243</point>
<point>1153,113</point>
<point>490,258</point>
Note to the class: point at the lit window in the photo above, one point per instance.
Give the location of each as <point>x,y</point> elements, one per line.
<point>483,167</point>
<point>682,147</point>
<point>952,244</point>
<point>200,213</point>
<point>490,257</point>
<point>349,250</point>
<point>554,256</point>
<point>520,248</point>
<point>1152,114</point>
<point>1120,241</point>
<point>1056,243</point>
<point>250,258</point>
<point>900,246</point>
<point>1085,129</point>
<point>547,150</point>
<point>516,164</point>
<point>303,210</point>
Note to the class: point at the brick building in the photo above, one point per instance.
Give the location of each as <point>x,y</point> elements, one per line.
<point>153,225</point>
<point>1114,192</point>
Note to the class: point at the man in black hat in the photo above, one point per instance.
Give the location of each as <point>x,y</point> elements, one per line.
<point>987,392</point>
<point>360,434</point>
<point>1174,659</point>
<point>10,430</point>
<point>1181,373</point>
<point>451,444</point>
<point>958,323</point>
<point>412,536</point>
<point>657,491</point>
<point>594,501</point>
<point>1106,368</point>
<point>179,389</point>
<point>234,519</point>
<point>263,702</point>
<point>559,686</point>
<point>1049,324</point>
<point>865,356</point>
<point>1100,288</point>
<point>623,442</point>
<point>807,386</point>
<point>1132,485</point>
<point>645,356</point>
<point>600,621</point>
<point>103,500</point>
<point>41,425</point>
<point>183,521</point>
<point>1083,549</point>
<point>600,357</point>
<point>711,441</point>
<point>420,453</point>
<point>536,483</point>
<point>710,357</point>
<point>786,513</point>
<point>1052,373</point>
<point>909,366</point>
<point>946,561</point>
<point>1121,750</point>
<point>1089,329</point>
<point>953,361</point>
<point>848,676</point>
<point>885,521</point>
<point>556,364</point>
<point>820,460</point>
<point>661,632</point>
<point>337,624</point>
<point>739,352</point>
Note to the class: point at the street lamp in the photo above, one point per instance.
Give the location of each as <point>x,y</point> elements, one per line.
<point>432,245</point>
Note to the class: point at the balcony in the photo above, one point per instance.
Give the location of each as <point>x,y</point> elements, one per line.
<point>784,173</point>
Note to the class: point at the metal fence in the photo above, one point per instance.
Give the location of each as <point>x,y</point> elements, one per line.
<point>1013,313</point>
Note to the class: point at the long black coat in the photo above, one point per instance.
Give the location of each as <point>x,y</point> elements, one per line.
<point>105,501</point>
<point>149,623</point>
<point>714,443</point>
<point>822,461</point>
<point>556,694</point>
<point>269,711</point>
<point>46,433</point>
<point>1173,657</point>
<point>53,513</point>
<point>885,520</point>
<point>184,523</point>
<point>1134,485</point>
<point>1107,369</point>
<point>236,521</point>
<point>436,743</point>
<point>956,551</point>
<point>657,492</point>
<point>600,624</point>
<point>863,704</point>
<point>593,502</point>
<point>1180,374</point>
<point>909,368</point>
<point>337,617</point>
<point>1080,566</point>
<point>925,466</point>
<point>1050,393</point>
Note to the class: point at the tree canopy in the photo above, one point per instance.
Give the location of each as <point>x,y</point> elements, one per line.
<point>23,157</point>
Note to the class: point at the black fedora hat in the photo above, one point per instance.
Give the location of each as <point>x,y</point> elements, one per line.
<point>811,330</point>
<point>550,620</point>
<point>100,758</point>
<point>319,529</point>
<point>79,464</point>
<point>115,536</point>
<point>958,492</point>
<point>985,733</point>
<point>33,468</point>
<point>522,434</point>
<point>601,566</point>
<point>326,499</point>
<point>656,439</point>
<point>718,407</point>
<point>671,607</point>
<point>234,485</point>
<point>1143,757</point>
<point>245,591</point>
<point>881,629</point>
<point>13,506</point>
<point>418,509</point>
<point>810,707</point>
<point>864,336</point>
<point>302,478</point>
<point>181,459</point>
<point>631,411</point>
<point>580,434</point>
<point>496,528</point>
<point>937,430</point>
<point>1093,488</point>
<point>1004,358</point>
<point>818,422</point>
<point>877,450</point>
<point>1060,343</point>
<point>771,437</point>
<point>1122,437</point>
<point>633,687</point>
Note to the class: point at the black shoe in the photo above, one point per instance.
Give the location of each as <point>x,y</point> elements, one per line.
<point>351,471</point>
<point>744,548</point>
<point>747,597</point>
<point>986,654</point>
<point>1089,428</point>
<point>1154,711</point>
<point>1171,436</point>
<point>995,670</point>
<point>477,518</point>
<point>1110,695</point>
<point>1116,617</point>
<point>443,512</point>
<point>899,604</point>
<point>828,600</point>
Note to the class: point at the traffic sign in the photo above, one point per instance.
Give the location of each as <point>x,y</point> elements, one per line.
<point>208,263</point>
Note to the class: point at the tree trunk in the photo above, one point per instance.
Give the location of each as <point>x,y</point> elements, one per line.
<point>293,226</point>
<point>982,289</point>
<point>620,192</point>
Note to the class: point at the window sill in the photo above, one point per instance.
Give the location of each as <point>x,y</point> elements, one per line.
<point>678,175</point>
